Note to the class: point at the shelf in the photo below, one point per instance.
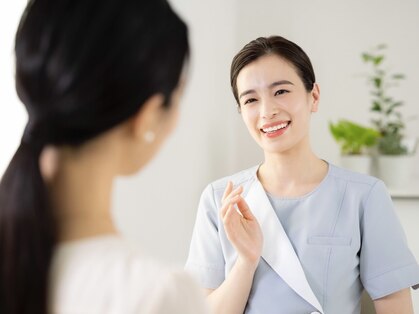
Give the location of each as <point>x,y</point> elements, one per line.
<point>411,192</point>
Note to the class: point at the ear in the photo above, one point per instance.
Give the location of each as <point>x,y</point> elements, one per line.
<point>48,162</point>
<point>148,117</point>
<point>315,95</point>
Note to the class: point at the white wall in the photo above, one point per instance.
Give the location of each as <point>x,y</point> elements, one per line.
<point>12,114</point>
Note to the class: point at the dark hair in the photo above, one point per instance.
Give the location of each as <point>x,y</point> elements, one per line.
<point>276,45</point>
<point>82,67</point>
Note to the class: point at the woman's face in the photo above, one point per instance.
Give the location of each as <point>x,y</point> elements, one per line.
<point>275,105</point>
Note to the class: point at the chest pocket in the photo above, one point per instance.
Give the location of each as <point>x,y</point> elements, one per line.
<point>329,241</point>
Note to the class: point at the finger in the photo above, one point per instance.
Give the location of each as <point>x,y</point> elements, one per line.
<point>227,190</point>
<point>232,215</point>
<point>229,202</point>
<point>232,194</point>
<point>244,209</point>
<point>224,210</point>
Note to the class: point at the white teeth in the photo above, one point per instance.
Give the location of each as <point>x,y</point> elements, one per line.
<point>275,128</point>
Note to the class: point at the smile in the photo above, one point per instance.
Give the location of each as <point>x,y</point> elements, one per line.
<point>276,127</point>
<point>273,130</point>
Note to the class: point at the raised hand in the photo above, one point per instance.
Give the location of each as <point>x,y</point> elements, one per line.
<point>241,226</point>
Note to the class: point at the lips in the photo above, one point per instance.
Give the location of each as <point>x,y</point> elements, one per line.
<point>275,129</point>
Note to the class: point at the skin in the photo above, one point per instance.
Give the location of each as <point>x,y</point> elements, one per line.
<point>270,93</point>
<point>80,179</point>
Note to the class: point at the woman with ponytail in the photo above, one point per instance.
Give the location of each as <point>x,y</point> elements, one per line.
<point>101,82</point>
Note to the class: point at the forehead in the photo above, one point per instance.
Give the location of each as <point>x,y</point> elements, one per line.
<point>264,71</point>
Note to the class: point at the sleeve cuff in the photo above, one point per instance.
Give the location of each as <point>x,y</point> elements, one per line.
<point>393,281</point>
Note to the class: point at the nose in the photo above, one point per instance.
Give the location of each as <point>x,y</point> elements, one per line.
<point>268,109</point>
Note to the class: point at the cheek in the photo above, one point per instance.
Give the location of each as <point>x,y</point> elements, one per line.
<point>302,119</point>
<point>300,110</point>
<point>174,118</point>
<point>169,120</point>
<point>249,118</point>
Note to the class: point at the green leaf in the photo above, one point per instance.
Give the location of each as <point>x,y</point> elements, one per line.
<point>387,116</point>
<point>376,106</point>
<point>378,124</point>
<point>391,144</point>
<point>378,60</point>
<point>377,82</point>
<point>398,76</point>
<point>366,57</point>
<point>396,104</point>
<point>353,137</point>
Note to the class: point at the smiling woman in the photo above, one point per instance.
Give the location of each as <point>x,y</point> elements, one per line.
<point>295,234</point>
<point>271,105</point>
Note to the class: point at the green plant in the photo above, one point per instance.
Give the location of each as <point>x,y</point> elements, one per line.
<point>352,137</point>
<point>388,119</point>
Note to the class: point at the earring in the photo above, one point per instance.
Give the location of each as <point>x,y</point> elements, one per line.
<point>149,136</point>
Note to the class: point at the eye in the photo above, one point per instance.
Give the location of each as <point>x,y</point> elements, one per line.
<point>281,91</point>
<point>248,101</point>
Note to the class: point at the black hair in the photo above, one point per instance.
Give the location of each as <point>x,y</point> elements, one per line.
<point>276,45</point>
<point>82,67</point>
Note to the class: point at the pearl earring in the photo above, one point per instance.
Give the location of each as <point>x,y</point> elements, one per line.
<point>149,136</point>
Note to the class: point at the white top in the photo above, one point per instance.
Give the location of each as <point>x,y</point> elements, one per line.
<point>320,250</point>
<point>105,275</point>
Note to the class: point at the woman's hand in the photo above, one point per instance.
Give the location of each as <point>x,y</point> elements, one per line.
<point>241,226</point>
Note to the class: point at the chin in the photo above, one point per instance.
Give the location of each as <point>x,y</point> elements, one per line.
<point>132,169</point>
<point>277,149</point>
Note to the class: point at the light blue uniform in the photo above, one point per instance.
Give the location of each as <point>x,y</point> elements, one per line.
<point>319,255</point>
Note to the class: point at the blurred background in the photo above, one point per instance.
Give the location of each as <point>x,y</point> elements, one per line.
<point>156,209</point>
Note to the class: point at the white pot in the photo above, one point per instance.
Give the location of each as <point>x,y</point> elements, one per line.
<point>395,170</point>
<point>357,163</point>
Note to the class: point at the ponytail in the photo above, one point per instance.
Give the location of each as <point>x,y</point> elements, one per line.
<point>27,234</point>
<point>82,68</point>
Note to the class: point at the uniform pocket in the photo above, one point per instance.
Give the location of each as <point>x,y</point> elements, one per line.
<point>326,240</point>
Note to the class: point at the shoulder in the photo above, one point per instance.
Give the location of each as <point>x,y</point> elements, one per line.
<point>112,273</point>
<point>352,177</point>
<point>244,178</point>
<point>359,187</point>
<point>107,261</point>
<point>354,181</point>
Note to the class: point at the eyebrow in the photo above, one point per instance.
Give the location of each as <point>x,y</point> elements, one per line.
<point>282,82</point>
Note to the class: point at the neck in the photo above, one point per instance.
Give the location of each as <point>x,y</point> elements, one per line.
<point>81,195</point>
<point>292,173</point>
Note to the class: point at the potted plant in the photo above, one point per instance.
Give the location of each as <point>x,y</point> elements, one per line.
<point>354,140</point>
<point>394,158</point>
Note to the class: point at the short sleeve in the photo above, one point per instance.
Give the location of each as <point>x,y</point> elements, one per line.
<point>386,263</point>
<point>177,294</point>
<point>206,260</point>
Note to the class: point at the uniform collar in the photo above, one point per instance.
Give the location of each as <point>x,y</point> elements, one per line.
<point>278,251</point>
